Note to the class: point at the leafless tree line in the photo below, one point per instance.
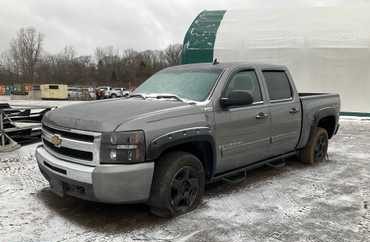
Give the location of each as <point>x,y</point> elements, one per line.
<point>26,62</point>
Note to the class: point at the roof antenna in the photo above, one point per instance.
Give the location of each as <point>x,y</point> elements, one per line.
<point>215,61</point>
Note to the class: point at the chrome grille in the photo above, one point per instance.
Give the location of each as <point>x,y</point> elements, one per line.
<point>77,146</point>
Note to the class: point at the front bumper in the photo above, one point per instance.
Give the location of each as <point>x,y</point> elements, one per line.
<point>103,183</point>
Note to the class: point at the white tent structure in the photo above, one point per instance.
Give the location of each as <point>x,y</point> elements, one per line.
<point>327,49</point>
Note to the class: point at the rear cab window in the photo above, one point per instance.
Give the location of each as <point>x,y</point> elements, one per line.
<point>278,85</point>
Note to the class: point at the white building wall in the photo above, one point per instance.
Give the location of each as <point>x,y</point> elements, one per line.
<point>326,48</point>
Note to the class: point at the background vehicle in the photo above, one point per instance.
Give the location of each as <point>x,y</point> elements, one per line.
<point>74,93</point>
<point>101,92</point>
<point>54,91</point>
<point>90,92</point>
<point>183,127</point>
<point>109,92</point>
<point>119,92</point>
<point>81,93</point>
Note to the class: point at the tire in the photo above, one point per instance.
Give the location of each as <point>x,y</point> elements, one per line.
<point>178,184</point>
<point>316,149</point>
<point>113,96</point>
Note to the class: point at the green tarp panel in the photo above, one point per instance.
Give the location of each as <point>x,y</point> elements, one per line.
<point>200,38</point>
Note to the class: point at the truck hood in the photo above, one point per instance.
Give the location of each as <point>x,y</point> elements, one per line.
<point>107,115</point>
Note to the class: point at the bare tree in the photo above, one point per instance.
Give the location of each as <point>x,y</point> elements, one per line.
<point>66,67</point>
<point>25,51</point>
<point>3,67</point>
<point>68,53</point>
<point>108,59</point>
<point>172,54</point>
<point>109,66</point>
<point>9,67</point>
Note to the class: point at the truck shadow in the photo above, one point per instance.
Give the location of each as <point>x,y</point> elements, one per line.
<point>110,218</point>
<point>99,217</point>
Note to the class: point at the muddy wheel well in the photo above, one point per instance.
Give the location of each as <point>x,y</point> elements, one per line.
<point>201,149</point>
<point>328,123</point>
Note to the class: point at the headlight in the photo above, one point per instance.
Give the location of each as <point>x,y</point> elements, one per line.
<point>122,147</point>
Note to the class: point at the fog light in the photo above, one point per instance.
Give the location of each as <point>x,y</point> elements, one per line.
<point>113,154</point>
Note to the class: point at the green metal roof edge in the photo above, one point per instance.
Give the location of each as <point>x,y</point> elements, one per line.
<point>196,49</point>
<point>357,114</point>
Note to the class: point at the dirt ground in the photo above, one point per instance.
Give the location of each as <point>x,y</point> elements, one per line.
<point>325,202</point>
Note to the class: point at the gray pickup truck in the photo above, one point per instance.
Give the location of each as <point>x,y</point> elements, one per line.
<point>182,128</point>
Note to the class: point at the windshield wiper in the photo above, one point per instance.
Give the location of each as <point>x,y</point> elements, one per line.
<point>137,95</point>
<point>161,96</point>
<point>169,96</point>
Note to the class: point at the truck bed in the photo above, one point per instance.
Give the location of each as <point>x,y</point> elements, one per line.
<point>313,104</point>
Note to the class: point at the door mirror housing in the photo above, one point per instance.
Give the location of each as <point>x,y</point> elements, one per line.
<point>237,98</point>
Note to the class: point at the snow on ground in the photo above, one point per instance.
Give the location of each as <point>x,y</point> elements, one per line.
<point>325,202</point>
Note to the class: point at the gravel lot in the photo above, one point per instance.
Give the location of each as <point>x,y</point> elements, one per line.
<point>325,202</point>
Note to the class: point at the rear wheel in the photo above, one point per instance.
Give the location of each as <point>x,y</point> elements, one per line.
<point>317,147</point>
<point>178,184</point>
<point>113,95</point>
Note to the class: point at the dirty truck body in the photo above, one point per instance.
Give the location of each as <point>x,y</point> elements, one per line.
<point>117,151</point>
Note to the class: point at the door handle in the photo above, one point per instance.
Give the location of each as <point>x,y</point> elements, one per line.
<point>293,111</point>
<point>262,115</point>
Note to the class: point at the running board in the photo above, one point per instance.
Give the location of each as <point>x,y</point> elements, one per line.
<point>236,178</point>
<point>277,165</point>
<point>252,166</point>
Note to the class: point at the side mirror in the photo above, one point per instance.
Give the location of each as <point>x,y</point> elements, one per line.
<point>237,98</point>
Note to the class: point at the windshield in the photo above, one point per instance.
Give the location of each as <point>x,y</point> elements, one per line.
<point>187,84</point>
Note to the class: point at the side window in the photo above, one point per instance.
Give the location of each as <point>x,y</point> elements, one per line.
<point>248,81</point>
<point>278,85</point>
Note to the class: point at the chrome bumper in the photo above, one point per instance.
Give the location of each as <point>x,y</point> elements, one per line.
<point>103,183</point>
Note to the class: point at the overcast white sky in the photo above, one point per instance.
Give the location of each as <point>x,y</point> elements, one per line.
<point>137,24</point>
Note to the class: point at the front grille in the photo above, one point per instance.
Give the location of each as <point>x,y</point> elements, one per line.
<point>78,154</point>
<point>76,146</point>
<point>66,134</point>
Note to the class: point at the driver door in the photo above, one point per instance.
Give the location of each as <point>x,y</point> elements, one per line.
<point>243,132</point>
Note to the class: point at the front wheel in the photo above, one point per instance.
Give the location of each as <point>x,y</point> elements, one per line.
<point>317,147</point>
<point>178,184</point>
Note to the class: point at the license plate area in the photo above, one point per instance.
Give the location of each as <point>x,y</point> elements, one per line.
<point>57,187</point>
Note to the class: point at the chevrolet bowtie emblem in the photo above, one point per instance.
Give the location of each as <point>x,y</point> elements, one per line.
<point>56,140</point>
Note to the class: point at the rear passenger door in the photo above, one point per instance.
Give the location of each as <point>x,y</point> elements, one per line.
<point>285,111</point>
<point>242,132</point>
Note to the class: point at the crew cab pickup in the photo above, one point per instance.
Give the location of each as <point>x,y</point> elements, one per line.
<point>184,127</point>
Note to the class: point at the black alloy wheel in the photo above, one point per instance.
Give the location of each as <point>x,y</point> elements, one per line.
<point>321,148</point>
<point>184,188</point>
<point>178,184</point>
<point>316,148</point>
